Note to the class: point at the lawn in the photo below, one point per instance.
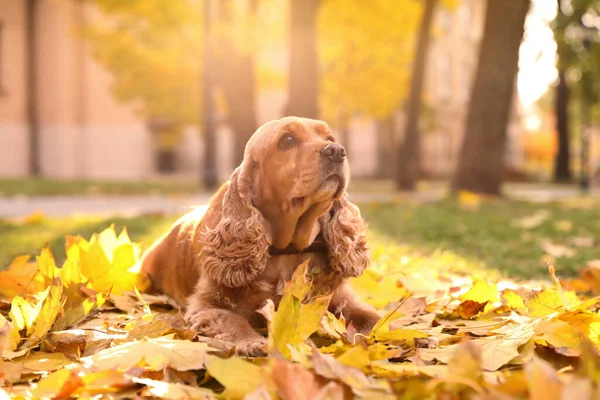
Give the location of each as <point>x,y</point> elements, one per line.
<point>507,237</point>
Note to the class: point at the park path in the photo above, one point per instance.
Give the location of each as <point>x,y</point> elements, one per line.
<point>59,206</point>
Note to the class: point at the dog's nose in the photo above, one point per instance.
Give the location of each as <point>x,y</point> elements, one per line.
<point>334,151</point>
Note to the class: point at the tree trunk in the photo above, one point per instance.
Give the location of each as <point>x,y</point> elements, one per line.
<point>562,165</point>
<point>408,157</point>
<point>482,155</point>
<point>303,79</point>
<point>209,171</point>
<point>238,80</point>
<point>385,147</point>
<point>32,117</point>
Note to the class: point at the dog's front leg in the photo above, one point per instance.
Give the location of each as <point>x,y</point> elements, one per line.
<point>345,301</point>
<point>226,325</point>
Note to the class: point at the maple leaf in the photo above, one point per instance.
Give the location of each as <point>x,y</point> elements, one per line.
<point>21,278</point>
<point>109,262</point>
<point>173,391</point>
<point>296,317</point>
<point>239,377</point>
<point>544,383</point>
<point>153,354</point>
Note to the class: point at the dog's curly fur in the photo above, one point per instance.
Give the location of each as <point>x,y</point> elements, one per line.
<point>217,263</point>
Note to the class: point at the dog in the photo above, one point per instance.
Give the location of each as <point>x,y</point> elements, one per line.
<point>286,203</point>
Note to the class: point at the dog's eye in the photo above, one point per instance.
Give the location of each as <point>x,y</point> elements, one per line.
<point>286,142</point>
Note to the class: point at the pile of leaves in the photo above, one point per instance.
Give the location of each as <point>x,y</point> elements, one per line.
<point>87,330</point>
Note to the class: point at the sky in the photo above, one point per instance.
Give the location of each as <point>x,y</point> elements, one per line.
<point>537,69</point>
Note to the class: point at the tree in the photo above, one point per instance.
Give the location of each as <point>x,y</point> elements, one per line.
<point>562,165</point>
<point>481,160</point>
<point>304,78</point>
<point>237,70</point>
<point>34,135</point>
<point>147,45</point>
<point>365,51</point>
<point>578,89</point>
<point>209,169</point>
<point>408,157</point>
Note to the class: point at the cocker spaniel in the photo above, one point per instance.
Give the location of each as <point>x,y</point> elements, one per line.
<point>284,204</point>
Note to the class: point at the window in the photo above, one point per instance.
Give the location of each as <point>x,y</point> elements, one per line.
<point>443,77</point>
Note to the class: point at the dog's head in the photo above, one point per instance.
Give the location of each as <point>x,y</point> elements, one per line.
<point>290,186</point>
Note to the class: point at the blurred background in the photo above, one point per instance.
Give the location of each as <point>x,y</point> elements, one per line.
<point>144,90</point>
<point>132,111</point>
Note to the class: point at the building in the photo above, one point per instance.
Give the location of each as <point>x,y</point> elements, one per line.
<point>50,84</point>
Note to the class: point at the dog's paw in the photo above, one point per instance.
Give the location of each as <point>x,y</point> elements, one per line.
<point>255,347</point>
<point>364,321</point>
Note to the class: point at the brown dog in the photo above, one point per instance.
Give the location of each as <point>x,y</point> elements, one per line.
<point>284,204</point>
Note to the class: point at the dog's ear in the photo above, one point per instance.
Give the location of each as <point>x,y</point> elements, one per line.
<point>236,250</point>
<point>344,231</point>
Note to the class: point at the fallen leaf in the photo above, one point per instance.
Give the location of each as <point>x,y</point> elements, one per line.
<point>564,225</point>
<point>173,391</point>
<point>154,354</point>
<point>533,221</point>
<point>239,377</point>
<point>296,319</point>
<point>543,381</point>
<point>468,309</point>
<point>21,278</point>
<point>557,250</point>
<point>57,385</point>
<point>293,382</point>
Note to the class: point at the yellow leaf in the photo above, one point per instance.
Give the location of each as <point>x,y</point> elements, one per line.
<point>469,199</point>
<point>513,300</point>
<point>387,369</point>
<point>173,391</point>
<point>482,292</point>
<point>295,320</point>
<point>496,351</point>
<point>34,218</point>
<point>111,263</point>
<point>42,362</point>
<point>154,354</point>
<point>560,335</point>
<point>378,289</point>
<point>564,225</point>
<point>356,356</point>
<point>549,301</point>
<point>47,265</point>
<point>21,278</point>
<point>59,384</point>
<point>543,381</point>
<point>239,377</point>
<point>407,336</point>
<point>9,335</point>
<point>466,362</point>
<point>333,326</point>
<point>23,314</point>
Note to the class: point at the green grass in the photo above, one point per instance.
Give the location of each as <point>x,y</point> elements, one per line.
<point>440,235</point>
<point>491,236</point>
<point>55,187</point>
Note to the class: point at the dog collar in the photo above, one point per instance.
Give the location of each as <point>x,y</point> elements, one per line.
<point>317,246</point>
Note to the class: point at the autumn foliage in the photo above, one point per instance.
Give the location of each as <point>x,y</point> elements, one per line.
<point>87,329</point>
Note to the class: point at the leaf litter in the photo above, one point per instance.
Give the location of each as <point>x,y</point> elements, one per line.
<point>88,330</point>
